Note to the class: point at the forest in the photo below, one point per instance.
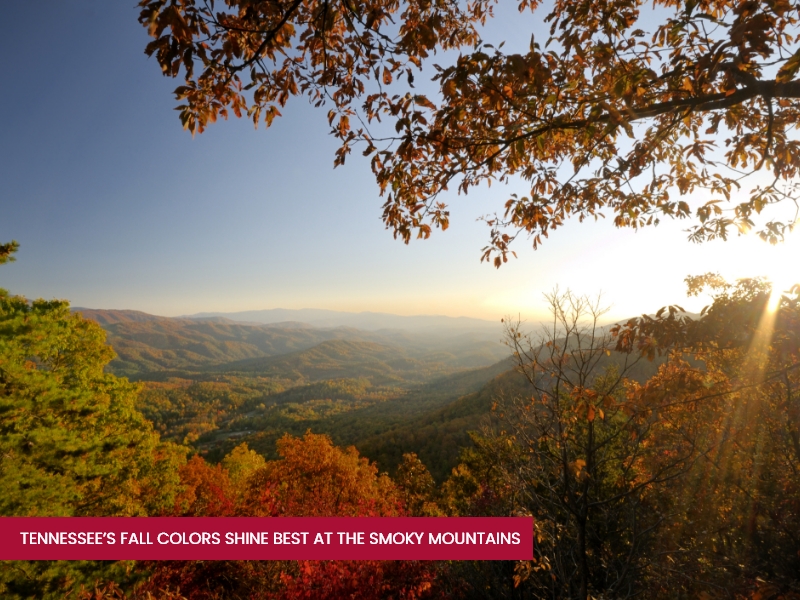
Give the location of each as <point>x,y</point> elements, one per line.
<point>659,454</point>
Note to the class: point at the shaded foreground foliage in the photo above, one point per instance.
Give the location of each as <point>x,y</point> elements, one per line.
<point>681,485</point>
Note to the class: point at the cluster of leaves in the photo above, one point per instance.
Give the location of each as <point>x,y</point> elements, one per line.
<point>7,251</point>
<point>328,50</point>
<point>620,109</point>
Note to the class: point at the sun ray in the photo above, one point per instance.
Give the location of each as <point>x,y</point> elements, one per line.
<point>779,264</point>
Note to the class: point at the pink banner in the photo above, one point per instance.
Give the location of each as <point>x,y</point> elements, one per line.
<point>252,538</point>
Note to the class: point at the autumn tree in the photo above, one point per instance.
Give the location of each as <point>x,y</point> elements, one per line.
<point>315,478</point>
<point>734,521</point>
<point>636,110</point>
<point>72,442</point>
<point>480,486</point>
<point>417,487</point>
<point>312,478</point>
<point>241,463</point>
<point>682,483</point>
<point>585,452</point>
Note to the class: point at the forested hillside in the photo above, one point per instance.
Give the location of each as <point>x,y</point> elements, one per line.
<point>350,411</point>
<point>147,346</point>
<point>600,433</point>
<point>387,400</point>
<point>350,384</point>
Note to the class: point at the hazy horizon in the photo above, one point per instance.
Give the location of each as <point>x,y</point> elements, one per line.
<point>209,314</point>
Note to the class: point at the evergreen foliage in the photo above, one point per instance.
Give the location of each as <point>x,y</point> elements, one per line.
<point>71,441</point>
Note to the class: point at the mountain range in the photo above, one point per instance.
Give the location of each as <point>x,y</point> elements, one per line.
<point>370,321</point>
<point>214,382</point>
<point>150,344</point>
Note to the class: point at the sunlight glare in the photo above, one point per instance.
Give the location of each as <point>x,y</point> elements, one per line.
<point>780,264</point>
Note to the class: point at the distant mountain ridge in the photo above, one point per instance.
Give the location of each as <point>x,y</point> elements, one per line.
<point>113,317</point>
<point>148,343</point>
<point>370,321</point>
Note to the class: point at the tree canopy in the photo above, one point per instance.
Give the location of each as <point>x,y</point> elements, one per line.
<point>7,251</point>
<point>636,110</point>
<point>312,478</point>
<point>71,441</point>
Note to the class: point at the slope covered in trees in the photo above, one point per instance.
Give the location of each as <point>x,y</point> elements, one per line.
<point>347,385</point>
<point>439,434</point>
<point>216,414</point>
<point>147,344</point>
<point>681,481</point>
<point>381,364</point>
<point>359,393</point>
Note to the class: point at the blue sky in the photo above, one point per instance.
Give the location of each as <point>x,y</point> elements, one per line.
<point>117,207</point>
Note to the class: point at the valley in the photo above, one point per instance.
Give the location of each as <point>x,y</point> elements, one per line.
<point>212,383</point>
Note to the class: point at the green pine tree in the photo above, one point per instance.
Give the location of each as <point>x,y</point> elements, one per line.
<point>71,441</point>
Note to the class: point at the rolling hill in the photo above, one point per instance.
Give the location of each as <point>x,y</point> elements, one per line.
<point>387,392</point>
<point>148,344</point>
<point>340,358</point>
<point>349,410</point>
<point>371,321</point>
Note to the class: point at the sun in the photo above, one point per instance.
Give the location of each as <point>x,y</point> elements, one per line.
<point>781,282</point>
<point>778,263</point>
<point>783,271</point>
